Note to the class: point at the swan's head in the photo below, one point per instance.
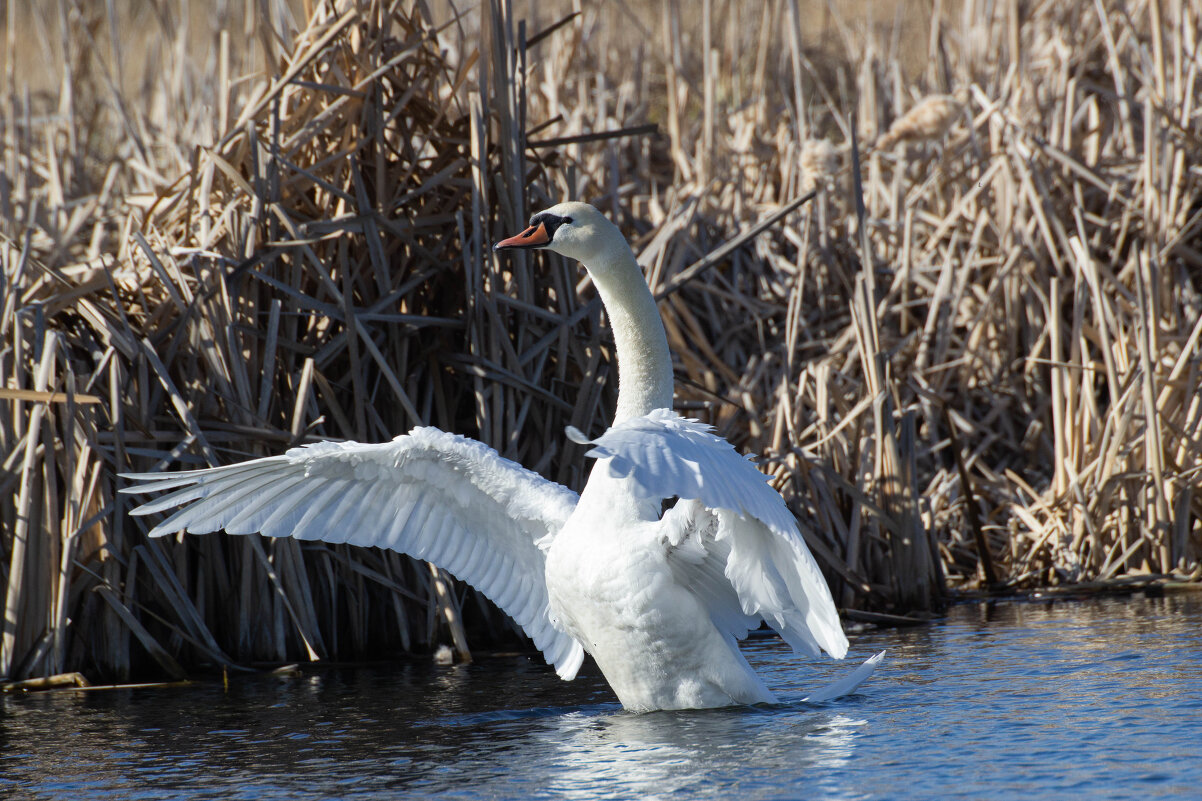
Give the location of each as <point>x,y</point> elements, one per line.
<point>572,229</point>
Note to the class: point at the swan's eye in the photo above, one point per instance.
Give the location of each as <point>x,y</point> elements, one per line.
<point>567,220</point>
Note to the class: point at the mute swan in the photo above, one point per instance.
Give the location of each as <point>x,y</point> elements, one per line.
<point>658,600</point>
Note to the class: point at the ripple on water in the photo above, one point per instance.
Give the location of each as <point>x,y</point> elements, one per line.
<point>1099,699</point>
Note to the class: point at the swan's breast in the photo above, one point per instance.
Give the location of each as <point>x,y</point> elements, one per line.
<point>652,637</point>
<point>603,576</point>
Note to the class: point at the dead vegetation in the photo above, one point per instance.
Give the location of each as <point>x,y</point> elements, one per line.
<point>986,373</point>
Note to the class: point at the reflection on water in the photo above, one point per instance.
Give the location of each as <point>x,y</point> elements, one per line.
<point>1038,700</point>
<point>689,754</point>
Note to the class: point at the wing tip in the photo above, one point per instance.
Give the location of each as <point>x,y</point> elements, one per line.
<point>570,665</point>
<point>840,649</point>
<point>849,683</point>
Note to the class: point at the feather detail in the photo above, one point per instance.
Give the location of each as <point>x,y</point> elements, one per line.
<point>428,494</point>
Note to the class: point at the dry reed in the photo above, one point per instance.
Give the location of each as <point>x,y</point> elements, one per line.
<point>973,358</point>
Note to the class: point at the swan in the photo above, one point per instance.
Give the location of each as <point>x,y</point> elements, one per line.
<point>657,598</point>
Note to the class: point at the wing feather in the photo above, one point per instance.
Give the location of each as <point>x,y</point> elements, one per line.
<point>339,523</point>
<point>396,532</point>
<point>157,482</point>
<point>232,499</point>
<point>507,583</point>
<point>417,531</point>
<point>440,530</point>
<point>347,519</point>
<point>470,564</point>
<point>736,544</point>
<point>313,523</point>
<point>255,513</point>
<point>428,494</point>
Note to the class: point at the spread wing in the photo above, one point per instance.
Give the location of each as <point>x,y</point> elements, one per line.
<point>436,496</point>
<point>731,538</point>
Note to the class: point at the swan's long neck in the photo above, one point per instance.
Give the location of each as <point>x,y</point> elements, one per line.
<point>644,363</point>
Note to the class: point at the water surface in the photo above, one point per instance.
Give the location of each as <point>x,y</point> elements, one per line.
<point>1097,699</point>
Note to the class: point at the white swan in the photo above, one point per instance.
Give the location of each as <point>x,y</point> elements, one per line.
<point>658,601</point>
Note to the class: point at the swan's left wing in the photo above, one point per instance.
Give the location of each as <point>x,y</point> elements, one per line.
<point>436,496</point>
<point>730,536</point>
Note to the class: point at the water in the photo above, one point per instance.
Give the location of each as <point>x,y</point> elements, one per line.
<point>1098,699</point>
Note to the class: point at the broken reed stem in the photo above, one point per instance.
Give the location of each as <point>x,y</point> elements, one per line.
<point>989,573</point>
<point>1022,250</point>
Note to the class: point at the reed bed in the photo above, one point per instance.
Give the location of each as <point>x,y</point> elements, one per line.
<point>964,336</point>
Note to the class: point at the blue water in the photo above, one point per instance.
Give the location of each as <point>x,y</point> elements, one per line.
<point>1032,700</point>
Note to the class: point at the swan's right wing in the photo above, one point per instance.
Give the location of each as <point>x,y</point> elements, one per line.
<point>730,536</point>
<point>436,496</point>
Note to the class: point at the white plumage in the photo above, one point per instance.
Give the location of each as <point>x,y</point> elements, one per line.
<point>658,600</point>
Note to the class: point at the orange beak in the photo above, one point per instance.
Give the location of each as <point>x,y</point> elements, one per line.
<point>533,237</point>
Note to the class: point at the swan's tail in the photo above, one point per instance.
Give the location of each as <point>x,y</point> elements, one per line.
<point>848,684</point>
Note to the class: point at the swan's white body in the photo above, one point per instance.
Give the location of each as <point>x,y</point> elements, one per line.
<point>658,601</point>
